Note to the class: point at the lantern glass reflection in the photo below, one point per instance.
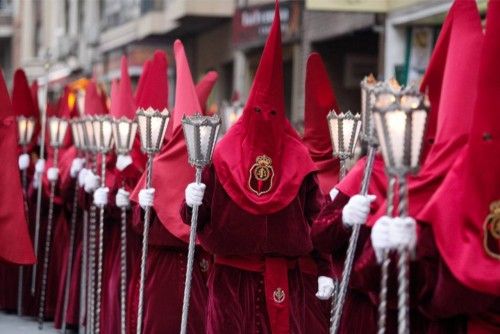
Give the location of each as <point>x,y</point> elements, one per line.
<point>25,127</point>
<point>152,126</point>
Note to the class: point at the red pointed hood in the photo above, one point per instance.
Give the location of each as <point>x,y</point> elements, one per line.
<point>15,242</point>
<point>22,100</point>
<point>464,210</point>
<point>320,100</point>
<point>154,87</point>
<point>204,88</point>
<point>125,103</point>
<point>114,110</point>
<point>261,162</point>
<point>140,85</point>
<point>456,104</point>
<point>171,172</point>
<point>94,103</point>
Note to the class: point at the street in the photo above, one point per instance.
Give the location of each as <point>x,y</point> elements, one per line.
<point>12,324</point>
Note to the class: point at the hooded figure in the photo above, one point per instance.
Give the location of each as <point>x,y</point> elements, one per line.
<point>261,196</point>
<point>166,262</point>
<point>463,212</point>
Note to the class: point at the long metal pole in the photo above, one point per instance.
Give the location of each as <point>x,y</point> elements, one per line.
<point>386,261</point>
<point>100,251</point>
<point>145,236</point>
<point>43,109</point>
<point>69,265</point>
<point>24,179</point>
<point>190,260</point>
<point>403,264</point>
<point>351,250</point>
<point>123,271</point>
<point>91,259</point>
<point>84,272</point>
<point>48,239</point>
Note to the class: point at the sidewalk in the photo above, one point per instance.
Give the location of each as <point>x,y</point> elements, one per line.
<point>12,324</point>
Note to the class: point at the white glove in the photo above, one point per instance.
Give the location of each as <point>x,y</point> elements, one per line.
<point>194,194</point>
<point>122,198</point>
<point>357,209</point>
<point>92,182</point>
<point>53,174</point>
<point>101,196</point>
<point>333,193</point>
<point>76,167</point>
<point>380,236</point>
<point>403,233</point>
<point>40,166</point>
<point>146,197</point>
<point>36,180</point>
<point>81,176</point>
<point>24,161</point>
<point>326,287</point>
<point>123,161</point>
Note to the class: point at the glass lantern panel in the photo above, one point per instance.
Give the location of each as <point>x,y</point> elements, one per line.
<point>156,132</point>
<point>107,133</point>
<point>142,121</point>
<point>396,125</point>
<point>379,125</point>
<point>116,131</point>
<point>410,101</point>
<point>21,126</point>
<point>89,130</point>
<point>30,128</point>
<point>419,118</point>
<point>347,133</point>
<point>96,125</point>
<point>63,126</point>
<point>81,129</point>
<point>205,132</point>
<point>384,100</point>
<point>334,134</point>
<point>74,134</point>
<point>133,131</point>
<point>53,130</point>
<point>216,135</point>
<point>189,137</point>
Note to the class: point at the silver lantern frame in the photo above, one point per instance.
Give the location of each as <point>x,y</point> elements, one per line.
<point>200,134</point>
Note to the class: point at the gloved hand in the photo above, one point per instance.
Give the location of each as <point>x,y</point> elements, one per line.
<point>122,198</point>
<point>357,209</point>
<point>24,161</point>
<point>146,197</point>
<point>76,167</point>
<point>92,182</point>
<point>123,161</point>
<point>81,176</point>
<point>403,233</point>
<point>380,236</point>
<point>333,193</point>
<point>326,287</point>
<point>40,166</point>
<point>101,196</point>
<point>53,174</point>
<point>36,180</point>
<point>194,194</point>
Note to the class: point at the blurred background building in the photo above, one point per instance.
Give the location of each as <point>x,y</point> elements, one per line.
<point>87,38</point>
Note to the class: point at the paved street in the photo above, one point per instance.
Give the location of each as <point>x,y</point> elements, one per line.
<point>12,324</point>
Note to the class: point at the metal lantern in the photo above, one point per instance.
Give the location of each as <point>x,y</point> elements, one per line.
<point>152,127</point>
<point>57,130</point>
<point>25,127</point>
<point>103,133</point>
<point>200,133</point>
<point>76,134</point>
<point>344,132</point>
<point>400,119</point>
<point>124,131</point>
<point>367,99</point>
<point>88,133</point>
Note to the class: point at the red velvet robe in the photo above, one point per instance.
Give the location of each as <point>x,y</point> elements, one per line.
<point>164,286</point>
<point>237,298</point>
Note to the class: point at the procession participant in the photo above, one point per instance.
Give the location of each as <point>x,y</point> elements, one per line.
<point>166,262</point>
<point>261,197</point>
<point>458,240</point>
<point>22,105</point>
<point>15,242</point>
<point>319,100</point>
<point>454,119</point>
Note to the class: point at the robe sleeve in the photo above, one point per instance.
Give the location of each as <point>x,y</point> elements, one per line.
<point>328,232</point>
<point>204,211</point>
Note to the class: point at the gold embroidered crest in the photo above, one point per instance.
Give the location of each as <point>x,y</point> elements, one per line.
<point>492,231</point>
<point>279,296</point>
<point>261,175</point>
